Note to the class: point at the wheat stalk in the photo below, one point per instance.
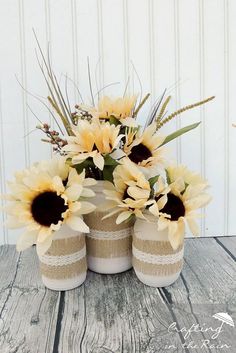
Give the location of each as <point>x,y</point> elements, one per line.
<point>140,105</point>
<point>163,108</point>
<point>181,110</point>
<point>63,118</point>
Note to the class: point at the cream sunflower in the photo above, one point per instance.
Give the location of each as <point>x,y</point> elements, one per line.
<point>129,193</point>
<point>144,148</point>
<point>177,207</point>
<point>41,202</point>
<point>121,108</point>
<point>92,140</point>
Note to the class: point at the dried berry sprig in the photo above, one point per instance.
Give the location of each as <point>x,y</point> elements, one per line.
<point>82,113</point>
<point>53,138</point>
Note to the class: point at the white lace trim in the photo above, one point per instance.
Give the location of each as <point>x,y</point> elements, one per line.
<point>63,260</point>
<point>105,235</point>
<point>158,259</point>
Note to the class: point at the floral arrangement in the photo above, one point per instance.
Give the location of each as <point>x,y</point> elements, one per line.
<point>103,141</point>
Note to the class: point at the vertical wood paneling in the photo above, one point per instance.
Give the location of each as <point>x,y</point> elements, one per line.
<point>226,117</point>
<point>202,96</point>
<point>186,46</point>
<point>113,45</point>
<point>3,230</point>
<point>126,39</point>
<point>35,90</point>
<point>11,96</point>
<point>139,49</point>
<point>165,54</point>
<point>231,47</point>
<point>87,17</point>
<point>24,81</point>
<point>214,120</point>
<point>177,74</point>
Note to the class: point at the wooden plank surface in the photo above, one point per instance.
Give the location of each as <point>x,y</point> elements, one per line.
<point>228,244</point>
<point>117,313</point>
<point>28,311</point>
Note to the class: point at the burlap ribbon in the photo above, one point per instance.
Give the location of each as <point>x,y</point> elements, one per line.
<point>108,239</point>
<point>60,256</point>
<point>163,252</point>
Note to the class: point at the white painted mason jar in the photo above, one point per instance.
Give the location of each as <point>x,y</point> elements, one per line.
<point>109,246</point>
<point>64,265</point>
<point>155,262</point>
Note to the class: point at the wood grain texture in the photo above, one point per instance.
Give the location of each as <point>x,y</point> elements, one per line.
<point>117,313</point>
<point>120,314</point>
<point>228,243</point>
<point>28,312</point>
<point>207,285</point>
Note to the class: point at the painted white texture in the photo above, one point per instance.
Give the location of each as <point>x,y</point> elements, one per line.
<point>186,46</point>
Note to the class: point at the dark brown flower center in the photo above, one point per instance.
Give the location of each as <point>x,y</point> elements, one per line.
<point>126,195</point>
<point>174,207</point>
<point>47,208</point>
<point>139,153</point>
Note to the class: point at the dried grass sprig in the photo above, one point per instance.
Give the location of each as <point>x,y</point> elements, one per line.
<point>184,109</point>
<point>63,119</point>
<point>135,113</point>
<point>163,108</point>
<point>56,97</point>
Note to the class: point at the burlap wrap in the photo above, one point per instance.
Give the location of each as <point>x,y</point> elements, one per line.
<point>60,255</point>
<point>108,239</point>
<point>161,249</point>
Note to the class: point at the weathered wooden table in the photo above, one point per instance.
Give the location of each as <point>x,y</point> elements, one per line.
<point>117,313</point>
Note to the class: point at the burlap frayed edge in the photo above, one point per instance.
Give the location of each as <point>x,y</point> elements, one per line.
<point>64,272</point>
<point>66,246</point>
<point>155,269</point>
<point>109,248</point>
<point>94,221</point>
<point>155,247</point>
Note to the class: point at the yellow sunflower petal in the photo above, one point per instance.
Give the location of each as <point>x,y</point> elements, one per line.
<point>44,234</point>
<point>76,223</point>
<point>99,161</point>
<point>176,233</point>
<point>154,209</point>
<point>26,240</point>
<point>123,216</point>
<point>86,207</point>
<point>44,246</point>
<point>73,192</point>
<point>193,226</point>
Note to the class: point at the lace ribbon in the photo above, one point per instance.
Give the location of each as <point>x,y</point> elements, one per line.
<point>109,235</point>
<point>63,260</point>
<point>158,259</point>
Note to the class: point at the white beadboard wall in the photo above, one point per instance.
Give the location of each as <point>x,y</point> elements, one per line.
<point>187,46</point>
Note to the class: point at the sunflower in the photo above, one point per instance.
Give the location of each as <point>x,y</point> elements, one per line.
<point>42,201</point>
<point>176,204</point>
<point>121,108</point>
<point>92,140</point>
<point>129,193</point>
<point>144,148</point>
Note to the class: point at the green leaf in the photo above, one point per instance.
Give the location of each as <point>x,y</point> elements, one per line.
<point>109,160</point>
<point>114,121</point>
<point>85,164</point>
<point>108,172</point>
<point>68,162</point>
<point>167,177</point>
<point>153,180</point>
<point>180,132</point>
